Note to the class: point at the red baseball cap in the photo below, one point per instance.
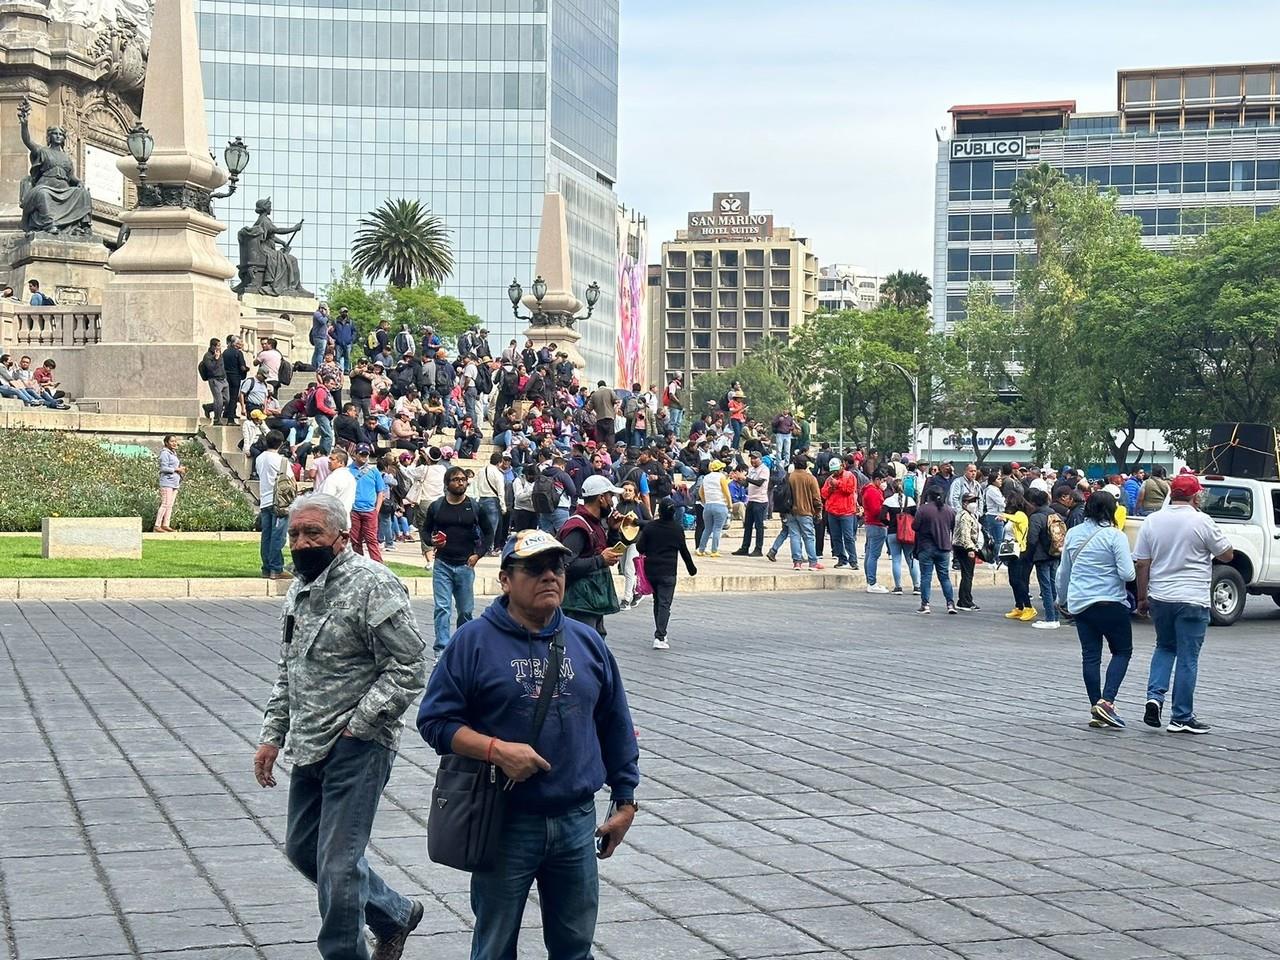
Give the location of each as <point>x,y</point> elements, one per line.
<point>1185,485</point>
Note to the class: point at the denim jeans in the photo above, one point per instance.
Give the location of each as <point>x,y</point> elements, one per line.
<point>272,540</point>
<point>930,560</point>
<point>317,354</point>
<point>490,517</point>
<point>453,587</point>
<point>840,530</point>
<point>331,807</point>
<point>876,539</point>
<point>1047,576</point>
<point>386,529</point>
<point>559,853</point>
<point>324,428</point>
<point>675,416</point>
<point>1109,620</point>
<point>552,522</point>
<point>783,442</point>
<point>1180,629</point>
<point>735,425</point>
<point>803,543</point>
<point>897,551</point>
<point>342,354</point>
<point>753,527</point>
<point>714,517</point>
<point>784,535</point>
<point>19,393</point>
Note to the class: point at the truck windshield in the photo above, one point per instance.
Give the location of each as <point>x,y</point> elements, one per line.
<point>1228,503</point>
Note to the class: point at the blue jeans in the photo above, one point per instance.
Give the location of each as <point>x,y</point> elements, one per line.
<point>490,519</point>
<point>559,853</point>
<point>272,540</point>
<point>783,442</point>
<point>1180,629</point>
<point>317,354</point>
<point>714,517</point>
<point>736,427</point>
<point>20,393</point>
<point>897,551</point>
<point>552,522</point>
<point>675,417</point>
<point>342,354</point>
<point>803,539</point>
<point>844,542</point>
<point>783,536</point>
<point>331,807</point>
<point>386,529</point>
<point>324,427</point>
<point>930,560</point>
<point>877,538</point>
<point>1047,576</point>
<point>452,586</point>
<point>1110,621</point>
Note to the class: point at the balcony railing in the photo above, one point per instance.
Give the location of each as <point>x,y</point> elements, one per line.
<point>54,327</point>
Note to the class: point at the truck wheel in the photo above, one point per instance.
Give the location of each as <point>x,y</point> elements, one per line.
<point>1227,596</point>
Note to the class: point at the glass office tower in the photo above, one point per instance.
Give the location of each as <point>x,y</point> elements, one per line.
<point>475,107</point>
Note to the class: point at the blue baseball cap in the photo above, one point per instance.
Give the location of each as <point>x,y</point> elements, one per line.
<point>529,543</point>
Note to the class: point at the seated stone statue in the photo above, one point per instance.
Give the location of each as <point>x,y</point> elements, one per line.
<point>266,265</point>
<point>52,199</point>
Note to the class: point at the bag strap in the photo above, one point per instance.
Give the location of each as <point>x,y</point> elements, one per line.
<point>552,674</point>
<point>1080,549</point>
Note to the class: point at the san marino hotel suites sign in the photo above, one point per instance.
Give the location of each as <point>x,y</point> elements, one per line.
<point>730,218</point>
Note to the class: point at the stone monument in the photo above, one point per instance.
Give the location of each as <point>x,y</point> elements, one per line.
<point>273,300</point>
<point>168,293</point>
<point>554,316</point>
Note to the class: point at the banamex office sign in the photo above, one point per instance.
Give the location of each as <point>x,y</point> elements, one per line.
<point>730,218</point>
<point>1003,148</point>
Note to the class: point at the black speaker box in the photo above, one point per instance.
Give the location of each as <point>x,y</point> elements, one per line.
<point>1248,450</point>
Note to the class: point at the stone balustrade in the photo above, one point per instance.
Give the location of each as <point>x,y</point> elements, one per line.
<point>56,326</point>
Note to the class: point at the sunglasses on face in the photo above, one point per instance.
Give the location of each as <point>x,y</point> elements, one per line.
<point>537,566</point>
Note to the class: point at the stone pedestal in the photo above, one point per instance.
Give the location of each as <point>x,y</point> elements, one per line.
<point>559,302</point>
<point>565,340</point>
<point>73,274</point>
<point>266,316</point>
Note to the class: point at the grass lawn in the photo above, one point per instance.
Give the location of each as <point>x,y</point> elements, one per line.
<point>20,557</point>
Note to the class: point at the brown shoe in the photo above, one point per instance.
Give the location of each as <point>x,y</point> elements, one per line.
<point>393,947</point>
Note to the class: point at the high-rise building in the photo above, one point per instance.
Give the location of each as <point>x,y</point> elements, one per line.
<point>729,280</point>
<point>844,286</point>
<point>1183,143</point>
<point>476,107</point>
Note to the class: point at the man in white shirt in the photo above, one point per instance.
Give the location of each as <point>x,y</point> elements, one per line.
<point>340,482</point>
<point>269,359</point>
<point>757,506</point>
<point>491,498</point>
<point>268,466</point>
<point>1174,560</point>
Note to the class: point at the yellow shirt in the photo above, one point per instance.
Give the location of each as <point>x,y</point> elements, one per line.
<point>1020,523</point>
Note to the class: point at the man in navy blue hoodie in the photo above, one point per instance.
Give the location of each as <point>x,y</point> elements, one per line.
<point>480,703</point>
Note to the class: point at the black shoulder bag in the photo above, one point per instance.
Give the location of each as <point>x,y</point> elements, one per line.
<point>469,800</point>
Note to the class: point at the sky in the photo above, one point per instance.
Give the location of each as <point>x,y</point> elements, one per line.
<point>826,111</point>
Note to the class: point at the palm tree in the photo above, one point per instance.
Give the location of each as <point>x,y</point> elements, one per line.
<point>405,242</point>
<point>906,290</point>
<point>1034,195</point>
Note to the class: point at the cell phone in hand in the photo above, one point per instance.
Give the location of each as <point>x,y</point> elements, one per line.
<point>601,843</point>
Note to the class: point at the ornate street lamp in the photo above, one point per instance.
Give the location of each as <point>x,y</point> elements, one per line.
<point>140,144</point>
<point>237,159</point>
<point>539,317</point>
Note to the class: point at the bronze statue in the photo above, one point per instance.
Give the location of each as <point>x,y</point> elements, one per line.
<point>52,199</point>
<point>266,265</point>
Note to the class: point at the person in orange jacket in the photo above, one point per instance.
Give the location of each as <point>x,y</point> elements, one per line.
<point>840,498</point>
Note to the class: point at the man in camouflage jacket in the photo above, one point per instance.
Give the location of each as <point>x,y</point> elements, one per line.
<point>351,662</point>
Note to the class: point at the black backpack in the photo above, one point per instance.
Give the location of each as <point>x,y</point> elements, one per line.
<point>286,372</point>
<point>546,495</point>
<point>784,500</point>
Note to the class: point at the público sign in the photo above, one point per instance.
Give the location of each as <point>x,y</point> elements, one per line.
<point>730,218</point>
<point>1004,148</point>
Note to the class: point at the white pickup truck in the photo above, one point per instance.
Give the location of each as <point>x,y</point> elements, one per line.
<point>1248,512</point>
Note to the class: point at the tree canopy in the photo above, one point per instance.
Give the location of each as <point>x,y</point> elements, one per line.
<point>412,307</point>
<point>404,242</point>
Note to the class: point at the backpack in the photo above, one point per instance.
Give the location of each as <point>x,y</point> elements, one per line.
<point>286,489</point>
<point>784,500</point>
<point>903,529</point>
<point>312,408</point>
<point>909,486</point>
<point>286,372</point>
<point>371,341</point>
<point>1057,528</point>
<point>204,369</point>
<point>546,495</point>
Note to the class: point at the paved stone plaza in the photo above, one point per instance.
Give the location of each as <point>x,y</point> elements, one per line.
<point>824,775</point>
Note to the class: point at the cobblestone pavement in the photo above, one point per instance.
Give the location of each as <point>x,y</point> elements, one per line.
<point>823,777</point>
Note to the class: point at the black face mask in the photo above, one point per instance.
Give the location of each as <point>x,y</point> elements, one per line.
<point>310,562</point>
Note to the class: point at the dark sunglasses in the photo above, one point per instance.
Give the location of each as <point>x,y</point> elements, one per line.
<point>537,566</point>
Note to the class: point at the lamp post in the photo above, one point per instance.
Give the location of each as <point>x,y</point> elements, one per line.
<point>140,144</point>
<point>237,159</point>
<point>914,383</point>
<point>539,318</point>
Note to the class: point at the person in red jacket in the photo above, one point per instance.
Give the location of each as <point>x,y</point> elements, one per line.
<point>321,408</point>
<point>840,498</point>
<point>873,518</point>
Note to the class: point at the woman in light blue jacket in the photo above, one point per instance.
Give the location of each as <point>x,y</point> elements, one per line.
<point>1096,565</point>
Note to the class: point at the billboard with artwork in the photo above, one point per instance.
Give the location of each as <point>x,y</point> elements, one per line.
<point>632,279</point>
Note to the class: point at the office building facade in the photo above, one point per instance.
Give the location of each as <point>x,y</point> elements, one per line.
<point>475,107</point>
<point>1183,144</point>
<point>845,286</point>
<point>727,281</point>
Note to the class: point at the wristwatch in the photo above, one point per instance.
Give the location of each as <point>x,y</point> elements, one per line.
<point>619,804</point>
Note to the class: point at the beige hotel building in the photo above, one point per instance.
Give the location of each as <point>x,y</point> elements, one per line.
<point>727,281</point>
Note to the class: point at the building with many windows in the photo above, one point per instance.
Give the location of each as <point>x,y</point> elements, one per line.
<point>729,280</point>
<point>1183,144</point>
<point>844,286</point>
<point>476,107</point>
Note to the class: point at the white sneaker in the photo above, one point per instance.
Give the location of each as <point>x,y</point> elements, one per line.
<point>661,645</point>
<point>1046,625</point>
<point>877,588</point>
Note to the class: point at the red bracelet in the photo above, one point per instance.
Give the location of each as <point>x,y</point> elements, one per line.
<point>488,754</point>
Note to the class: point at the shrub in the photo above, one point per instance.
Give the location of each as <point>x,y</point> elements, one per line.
<point>48,473</point>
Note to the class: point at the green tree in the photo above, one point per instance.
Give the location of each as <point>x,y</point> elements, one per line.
<point>906,291</point>
<point>405,242</point>
<point>1035,194</point>
<point>767,395</point>
<point>367,307</point>
<point>423,305</point>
